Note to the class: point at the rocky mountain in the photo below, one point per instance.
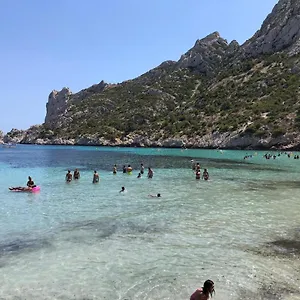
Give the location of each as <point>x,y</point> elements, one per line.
<point>279,32</point>
<point>1,137</point>
<point>218,94</point>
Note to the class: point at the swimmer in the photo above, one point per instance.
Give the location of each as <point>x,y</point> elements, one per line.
<point>205,175</point>
<point>69,176</point>
<point>198,174</point>
<point>124,169</point>
<point>157,195</point>
<point>76,174</point>
<point>122,189</point>
<point>197,167</point>
<point>95,177</point>
<point>205,292</point>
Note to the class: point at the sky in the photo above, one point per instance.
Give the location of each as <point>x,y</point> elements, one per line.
<point>47,45</point>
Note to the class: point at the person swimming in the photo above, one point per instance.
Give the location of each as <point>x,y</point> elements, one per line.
<point>95,177</point>
<point>69,176</point>
<point>157,195</point>
<point>198,174</point>
<point>205,292</point>
<point>122,190</point>
<point>124,169</point>
<point>76,174</point>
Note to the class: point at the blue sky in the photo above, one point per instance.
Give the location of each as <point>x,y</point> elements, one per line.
<point>47,45</point>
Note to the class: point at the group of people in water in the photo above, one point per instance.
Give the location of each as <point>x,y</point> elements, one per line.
<point>197,169</point>
<point>126,170</point>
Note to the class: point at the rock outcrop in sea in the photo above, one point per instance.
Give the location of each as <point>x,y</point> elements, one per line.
<point>219,94</point>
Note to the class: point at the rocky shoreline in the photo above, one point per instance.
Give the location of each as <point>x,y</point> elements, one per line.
<point>215,140</point>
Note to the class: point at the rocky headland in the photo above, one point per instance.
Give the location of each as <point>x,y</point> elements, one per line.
<point>217,95</point>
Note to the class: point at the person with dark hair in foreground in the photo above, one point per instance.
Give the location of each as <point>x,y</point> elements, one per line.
<point>205,292</point>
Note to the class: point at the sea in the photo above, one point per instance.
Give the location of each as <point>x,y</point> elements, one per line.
<point>83,241</point>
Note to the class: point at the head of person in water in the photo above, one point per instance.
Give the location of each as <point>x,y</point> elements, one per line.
<point>208,287</point>
<point>95,172</point>
<point>122,189</point>
<point>158,195</point>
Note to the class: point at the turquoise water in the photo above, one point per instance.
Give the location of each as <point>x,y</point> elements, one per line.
<point>88,241</point>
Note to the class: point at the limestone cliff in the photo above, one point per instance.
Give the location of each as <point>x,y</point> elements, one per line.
<point>1,136</point>
<point>56,106</point>
<point>279,32</point>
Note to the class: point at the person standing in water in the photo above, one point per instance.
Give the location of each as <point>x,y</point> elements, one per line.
<point>115,169</point>
<point>205,175</point>
<point>129,169</point>
<point>95,177</point>
<point>142,169</point>
<point>205,292</point>
<point>69,176</point>
<point>124,169</point>
<point>76,174</point>
<point>150,173</point>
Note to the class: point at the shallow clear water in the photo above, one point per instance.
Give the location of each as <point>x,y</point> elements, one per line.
<point>88,241</point>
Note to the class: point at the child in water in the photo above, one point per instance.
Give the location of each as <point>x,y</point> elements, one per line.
<point>205,292</point>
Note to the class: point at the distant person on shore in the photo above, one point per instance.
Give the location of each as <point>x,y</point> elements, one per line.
<point>69,176</point>
<point>205,292</point>
<point>150,173</point>
<point>76,174</point>
<point>30,183</point>
<point>205,174</point>
<point>122,190</point>
<point>153,196</point>
<point>115,169</point>
<point>142,169</point>
<point>95,177</point>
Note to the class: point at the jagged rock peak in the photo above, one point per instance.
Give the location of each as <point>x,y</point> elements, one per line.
<point>280,31</point>
<point>211,38</point>
<point>56,105</point>
<point>206,55</point>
